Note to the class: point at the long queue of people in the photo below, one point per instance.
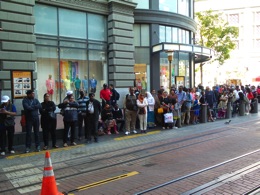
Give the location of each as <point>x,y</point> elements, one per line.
<point>141,111</point>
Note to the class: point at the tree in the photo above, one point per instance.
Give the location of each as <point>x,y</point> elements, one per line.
<point>213,32</point>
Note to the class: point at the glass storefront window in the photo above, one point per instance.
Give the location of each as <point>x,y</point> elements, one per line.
<point>48,66</point>
<point>72,24</point>
<point>141,35</point>
<point>144,4</point>
<point>168,5</point>
<point>141,69</point>
<point>179,70</point>
<point>45,20</point>
<point>174,35</point>
<point>183,7</point>
<point>97,27</point>
<point>73,62</point>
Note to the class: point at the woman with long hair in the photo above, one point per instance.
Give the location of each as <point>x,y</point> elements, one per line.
<point>48,121</point>
<point>142,104</point>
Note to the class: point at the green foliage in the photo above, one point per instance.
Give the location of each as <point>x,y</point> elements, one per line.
<point>216,34</point>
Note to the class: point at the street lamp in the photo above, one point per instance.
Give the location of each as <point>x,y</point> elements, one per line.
<point>170,56</point>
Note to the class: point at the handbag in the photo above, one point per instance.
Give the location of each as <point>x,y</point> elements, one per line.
<point>160,110</point>
<point>168,117</point>
<point>9,121</point>
<point>52,115</point>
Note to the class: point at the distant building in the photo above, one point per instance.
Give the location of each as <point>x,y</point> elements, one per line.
<point>245,60</point>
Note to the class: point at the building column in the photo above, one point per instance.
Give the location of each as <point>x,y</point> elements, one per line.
<point>121,43</point>
<point>17,48</point>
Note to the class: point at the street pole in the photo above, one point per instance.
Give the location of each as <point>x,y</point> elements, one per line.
<point>170,55</point>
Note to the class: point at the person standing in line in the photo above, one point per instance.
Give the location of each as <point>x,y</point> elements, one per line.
<point>48,121</point>
<point>150,111</point>
<point>105,95</point>
<point>142,112</point>
<point>130,108</point>
<point>7,113</point>
<point>31,107</point>
<point>93,111</point>
<point>70,119</point>
<point>113,95</point>
<point>82,101</point>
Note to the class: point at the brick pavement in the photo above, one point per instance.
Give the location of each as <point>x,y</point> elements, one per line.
<point>106,145</point>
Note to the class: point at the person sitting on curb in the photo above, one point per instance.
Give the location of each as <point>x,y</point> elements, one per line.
<point>107,118</point>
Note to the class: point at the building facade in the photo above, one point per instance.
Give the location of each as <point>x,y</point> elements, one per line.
<point>245,59</point>
<point>72,44</point>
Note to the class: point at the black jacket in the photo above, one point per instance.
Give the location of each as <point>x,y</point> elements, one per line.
<point>44,111</point>
<point>97,108</point>
<point>70,111</point>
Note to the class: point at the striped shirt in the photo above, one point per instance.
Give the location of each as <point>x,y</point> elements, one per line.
<point>82,104</point>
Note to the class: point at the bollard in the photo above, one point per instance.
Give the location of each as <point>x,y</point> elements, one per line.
<point>242,107</point>
<point>254,105</point>
<point>204,113</point>
<point>229,111</point>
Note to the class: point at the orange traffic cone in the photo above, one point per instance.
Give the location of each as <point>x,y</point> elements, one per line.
<point>48,181</point>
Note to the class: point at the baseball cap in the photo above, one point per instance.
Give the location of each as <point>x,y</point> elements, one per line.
<point>69,93</point>
<point>5,99</point>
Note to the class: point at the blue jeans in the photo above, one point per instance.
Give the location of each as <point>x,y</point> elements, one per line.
<point>32,123</point>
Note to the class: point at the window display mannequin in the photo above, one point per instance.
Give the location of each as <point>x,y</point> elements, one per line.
<point>143,84</point>
<point>77,85</point>
<point>67,84</point>
<point>85,84</point>
<point>139,84</point>
<point>50,86</point>
<point>93,84</point>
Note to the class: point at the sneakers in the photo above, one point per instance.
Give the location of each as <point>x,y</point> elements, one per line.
<point>134,131</point>
<point>73,144</point>
<point>108,132</point>
<point>65,145</point>
<point>12,152</point>
<point>55,146</point>
<point>2,153</point>
<point>116,132</point>
<point>175,127</point>
<point>27,150</point>
<point>45,148</point>
<point>127,133</point>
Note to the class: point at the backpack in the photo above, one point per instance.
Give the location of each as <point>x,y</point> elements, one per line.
<point>131,103</point>
<point>117,95</point>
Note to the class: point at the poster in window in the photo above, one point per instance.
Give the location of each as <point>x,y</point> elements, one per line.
<point>21,83</point>
<point>179,80</point>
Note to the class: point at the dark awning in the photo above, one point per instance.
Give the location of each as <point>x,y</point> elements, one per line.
<point>201,54</point>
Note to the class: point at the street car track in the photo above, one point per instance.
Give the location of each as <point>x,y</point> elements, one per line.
<point>167,143</point>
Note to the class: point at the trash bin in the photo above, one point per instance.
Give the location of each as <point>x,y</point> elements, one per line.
<point>229,110</point>
<point>203,113</point>
<point>254,106</point>
<point>242,107</point>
